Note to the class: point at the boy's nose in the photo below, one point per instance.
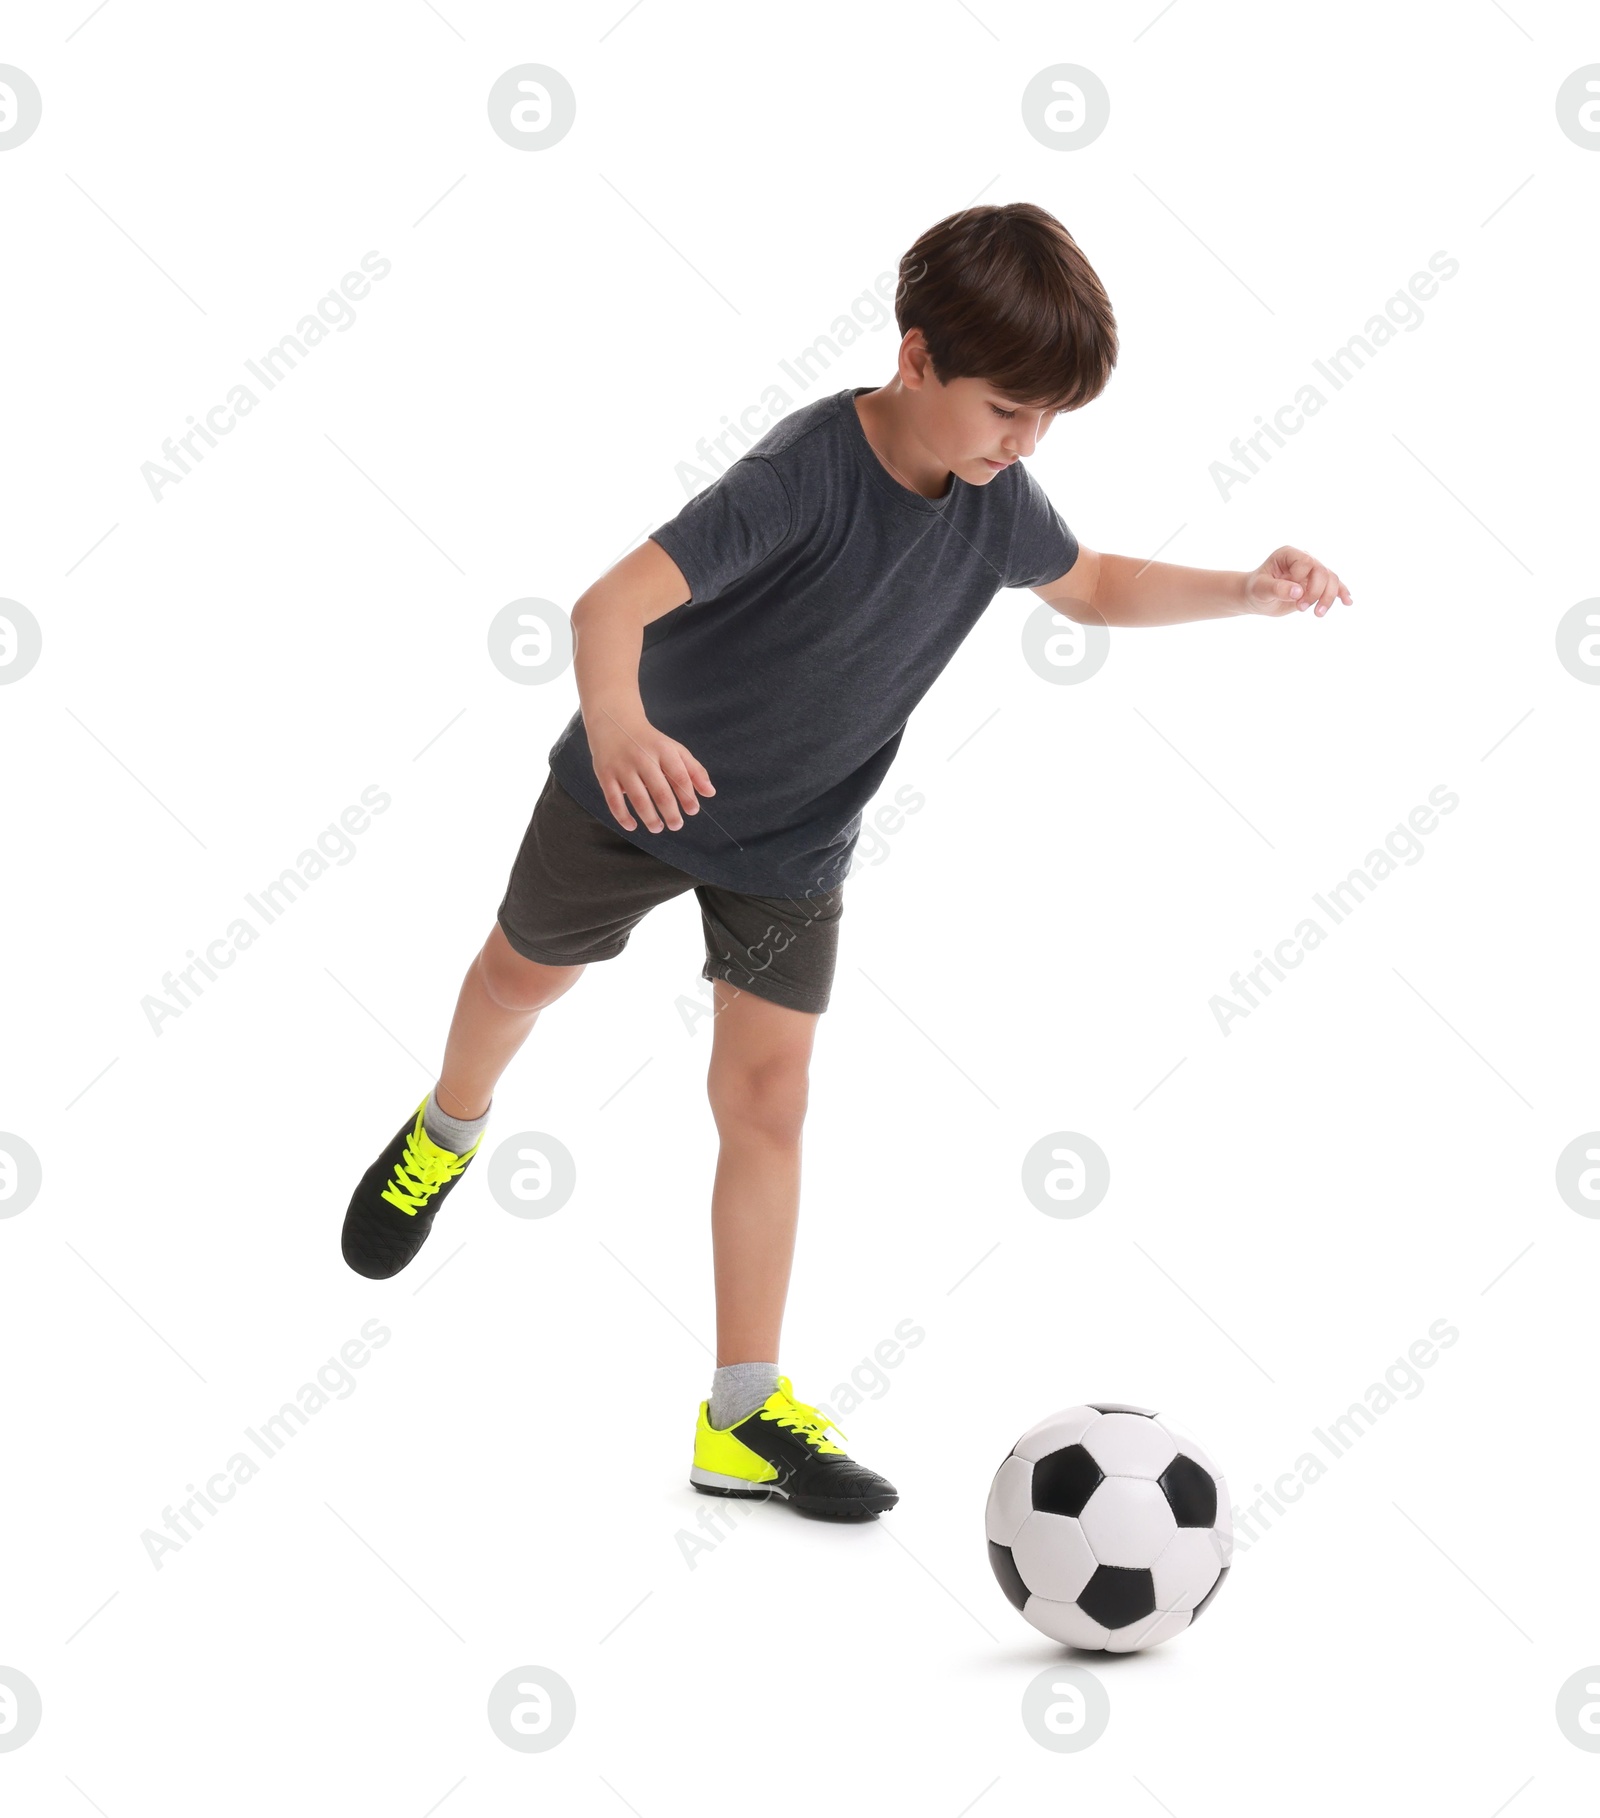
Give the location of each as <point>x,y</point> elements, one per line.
<point>1020,442</point>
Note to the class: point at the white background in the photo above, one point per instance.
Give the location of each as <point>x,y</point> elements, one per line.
<point>1292,1204</point>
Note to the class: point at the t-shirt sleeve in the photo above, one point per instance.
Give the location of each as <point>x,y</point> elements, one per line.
<point>723,532</point>
<point>1042,548</point>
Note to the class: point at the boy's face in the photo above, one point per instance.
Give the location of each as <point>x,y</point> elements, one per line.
<point>975,428</point>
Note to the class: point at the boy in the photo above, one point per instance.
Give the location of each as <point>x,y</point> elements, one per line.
<point>744,680</point>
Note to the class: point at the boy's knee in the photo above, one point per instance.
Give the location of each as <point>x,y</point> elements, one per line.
<point>768,1097</point>
<point>518,984</point>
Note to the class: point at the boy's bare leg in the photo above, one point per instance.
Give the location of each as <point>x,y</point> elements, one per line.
<point>500,1001</point>
<point>758,1084</point>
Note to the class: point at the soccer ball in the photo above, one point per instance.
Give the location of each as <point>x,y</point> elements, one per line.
<point>1109,1527</point>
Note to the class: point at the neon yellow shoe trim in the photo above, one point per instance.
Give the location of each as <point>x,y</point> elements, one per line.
<point>721,1450</point>
<point>423,1169</point>
<point>718,1449</point>
<point>801,1417</point>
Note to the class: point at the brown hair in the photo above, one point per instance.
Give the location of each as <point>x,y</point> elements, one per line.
<point>1002,293</point>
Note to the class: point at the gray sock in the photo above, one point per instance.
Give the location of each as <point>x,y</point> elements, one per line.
<point>739,1389</point>
<point>457,1134</point>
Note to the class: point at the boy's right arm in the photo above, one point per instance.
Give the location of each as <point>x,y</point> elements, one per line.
<point>633,761</point>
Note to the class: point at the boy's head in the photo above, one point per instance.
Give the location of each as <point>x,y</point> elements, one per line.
<point>1004,323</point>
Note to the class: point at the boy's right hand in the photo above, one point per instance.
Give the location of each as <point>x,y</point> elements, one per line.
<point>636,762</point>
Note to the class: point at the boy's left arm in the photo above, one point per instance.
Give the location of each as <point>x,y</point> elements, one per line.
<point>1121,590</point>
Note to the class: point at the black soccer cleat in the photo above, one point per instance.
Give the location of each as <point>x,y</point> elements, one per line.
<point>392,1211</point>
<point>781,1449</point>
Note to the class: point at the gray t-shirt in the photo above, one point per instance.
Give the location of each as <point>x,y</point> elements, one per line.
<point>826,598</point>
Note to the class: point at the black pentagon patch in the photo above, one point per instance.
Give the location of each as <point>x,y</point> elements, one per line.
<point>1064,1481</point>
<point>1209,1595</point>
<point>1121,1407</point>
<point>1005,1569</point>
<point>1118,1595</point>
<point>1191,1492</point>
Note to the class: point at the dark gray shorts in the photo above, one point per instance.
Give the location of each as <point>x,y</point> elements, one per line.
<point>578,889</point>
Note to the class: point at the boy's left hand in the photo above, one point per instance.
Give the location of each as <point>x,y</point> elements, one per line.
<point>1290,581</point>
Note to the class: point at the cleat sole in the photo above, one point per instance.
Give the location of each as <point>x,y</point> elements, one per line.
<point>715,1483</point>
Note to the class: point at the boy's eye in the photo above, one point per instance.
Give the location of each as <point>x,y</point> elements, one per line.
<point>1007,414</point>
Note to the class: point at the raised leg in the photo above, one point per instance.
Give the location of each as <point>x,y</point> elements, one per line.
<point>500,1001</point>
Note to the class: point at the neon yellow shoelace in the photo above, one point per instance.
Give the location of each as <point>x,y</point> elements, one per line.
<point>811,1423</point>
<point>420,1173</point>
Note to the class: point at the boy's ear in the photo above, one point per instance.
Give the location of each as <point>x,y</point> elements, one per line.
<point>916,366</point>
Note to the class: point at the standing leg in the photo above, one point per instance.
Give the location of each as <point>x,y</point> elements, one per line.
<point>758,1085</point>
